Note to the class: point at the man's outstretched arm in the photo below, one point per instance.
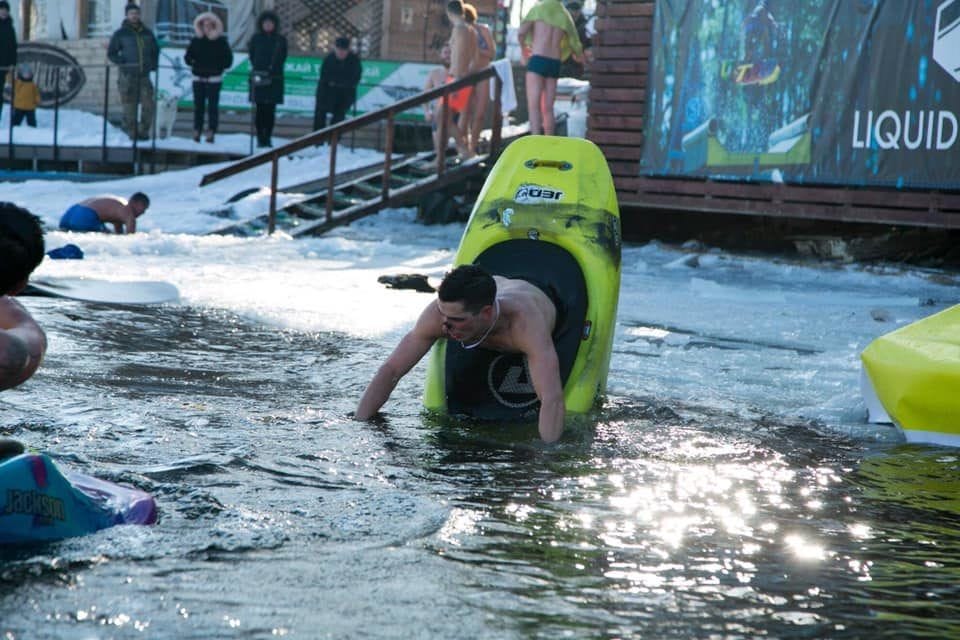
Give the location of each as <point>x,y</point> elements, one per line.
<point>22,343</point>
<point>411,349</point>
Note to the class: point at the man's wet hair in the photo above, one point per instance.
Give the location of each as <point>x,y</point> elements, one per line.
<point>142,198</point>
<point>469,284</point>
<point>21,245</point>
<point>455,6</point>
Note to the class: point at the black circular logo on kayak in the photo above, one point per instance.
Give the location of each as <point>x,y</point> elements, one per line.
<point>54,71</point>
<point>509,381</point>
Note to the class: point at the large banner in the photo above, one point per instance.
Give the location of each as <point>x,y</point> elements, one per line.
<point>858,92</point>
<point>382,83</point>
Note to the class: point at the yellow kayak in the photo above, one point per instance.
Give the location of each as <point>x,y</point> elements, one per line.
<point>547,213</point>
<point>915,374</point>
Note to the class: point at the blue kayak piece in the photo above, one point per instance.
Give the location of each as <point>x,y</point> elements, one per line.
<point>38,502</point>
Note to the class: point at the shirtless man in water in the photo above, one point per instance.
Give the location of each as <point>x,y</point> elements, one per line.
<point>92,214</point>
<point>22,341</point>
<point>475,308</point>
<point>550,30</point>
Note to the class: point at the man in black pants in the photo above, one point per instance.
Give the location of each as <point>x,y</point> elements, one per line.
<point>337,89</point>
<point>8,46</point>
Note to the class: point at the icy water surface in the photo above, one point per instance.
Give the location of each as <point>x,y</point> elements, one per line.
<point>729,489</point>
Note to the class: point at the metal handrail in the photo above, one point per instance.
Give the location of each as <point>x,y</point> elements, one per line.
<point>108,100</point>
<point>334,132</point>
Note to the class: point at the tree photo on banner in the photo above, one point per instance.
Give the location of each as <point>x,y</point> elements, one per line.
<point>382,83</point>
<point>859,92</point>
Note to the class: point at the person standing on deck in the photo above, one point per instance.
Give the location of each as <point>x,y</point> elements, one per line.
<point>337,89</point>
<point>547,36</point>
<point>208,55</point>
<point>432,111</point>
<point>268,54</point>
<point>480,98</point>
<point>134,49</point>
<point>8,46</point>
<point>463,52</point>
<point>22,341</point>
<point>26,97</point>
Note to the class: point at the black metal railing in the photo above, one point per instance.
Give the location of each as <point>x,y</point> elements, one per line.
<point>106,110</point>
<point>333,133</point>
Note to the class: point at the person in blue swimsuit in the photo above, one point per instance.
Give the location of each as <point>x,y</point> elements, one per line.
<point>547,36</point>
<point>477,109</point>
<point>80,217</point>
<point>93,214</point>
<point>22,341</point>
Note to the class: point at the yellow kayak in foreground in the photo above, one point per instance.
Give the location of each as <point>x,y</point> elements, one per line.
<point>548,214</point>
<point>915,374</point>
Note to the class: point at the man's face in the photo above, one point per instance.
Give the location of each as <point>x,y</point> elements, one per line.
<point>341,53</point>
<point>4,13</point>
<point>445,54</point>
<point>133,15</point>
<point>138,208</point>
<point>460,324</point>
<point>268,26</point>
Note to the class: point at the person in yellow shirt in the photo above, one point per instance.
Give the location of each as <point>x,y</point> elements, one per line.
<point>26,97</point>
<point>547,37</point>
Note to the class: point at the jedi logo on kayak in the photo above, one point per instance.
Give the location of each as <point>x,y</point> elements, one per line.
<point>34,503</point>
<point>533,193</point>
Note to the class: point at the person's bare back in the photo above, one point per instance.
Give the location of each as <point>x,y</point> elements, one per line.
<point>547,34</point>
<point>122,214</point>
<point>463,50</point>
<point>546,40</point>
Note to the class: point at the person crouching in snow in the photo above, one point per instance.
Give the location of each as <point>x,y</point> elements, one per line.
<point>26,97</point>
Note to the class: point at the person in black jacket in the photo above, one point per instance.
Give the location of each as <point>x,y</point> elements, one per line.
<point>134,49</point>
<point>570,67</point>
<point>8,46</point>
<point>337,88</point>
<point>268,52</point>
<point>208,56</point>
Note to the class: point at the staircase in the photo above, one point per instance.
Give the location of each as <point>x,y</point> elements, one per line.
<point>339,199</point>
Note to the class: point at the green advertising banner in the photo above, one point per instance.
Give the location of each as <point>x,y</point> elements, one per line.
<point>383,82</point>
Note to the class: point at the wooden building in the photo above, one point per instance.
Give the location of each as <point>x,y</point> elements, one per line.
<point>621,52</point>
<point>402,30</point>
<point>415,30</point>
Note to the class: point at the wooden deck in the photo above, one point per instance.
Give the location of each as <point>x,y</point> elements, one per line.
<point>618,78</point>
<point>105,160</point>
